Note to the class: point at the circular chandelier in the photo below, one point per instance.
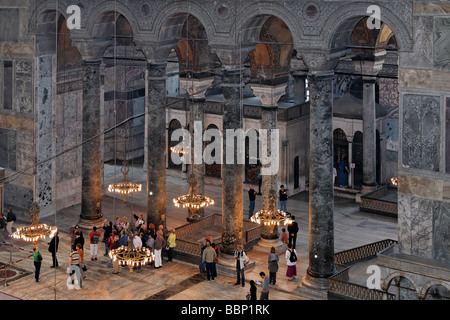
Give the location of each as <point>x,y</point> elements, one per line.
<point>180,149</point>
<point>193,201</point>
<point>271,217</point>
<point>36,231</point>
<point>125,187</point>
<point>394,181</point>
<point>130,255</point>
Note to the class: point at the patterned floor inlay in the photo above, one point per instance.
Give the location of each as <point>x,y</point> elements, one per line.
<point>179,287</point>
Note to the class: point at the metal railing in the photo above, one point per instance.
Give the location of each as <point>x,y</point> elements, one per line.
<point>339,283</point>
<point>251,232</point>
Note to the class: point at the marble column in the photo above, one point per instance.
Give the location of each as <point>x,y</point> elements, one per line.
<point>232,173</point>
<point>196,89</point>
<point>156,143</point>
<point>369,66</point>
<point>92,157</point>
<point>369,136</point>
<point>321,202</point>
<point>269,96</point>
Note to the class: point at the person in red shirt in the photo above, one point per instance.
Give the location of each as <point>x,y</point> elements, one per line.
<point>94,237</point>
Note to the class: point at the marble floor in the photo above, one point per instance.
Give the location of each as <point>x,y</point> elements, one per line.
<point>176,280</point>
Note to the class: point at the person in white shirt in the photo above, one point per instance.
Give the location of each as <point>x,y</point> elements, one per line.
<point>291,262</point>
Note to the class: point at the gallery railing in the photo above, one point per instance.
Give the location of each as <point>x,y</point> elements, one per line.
<point>339,283</point>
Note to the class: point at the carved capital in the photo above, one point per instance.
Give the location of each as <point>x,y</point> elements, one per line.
<point>153,51</point>
<point>91,49</point>
<point>232,57</point>
<point>269,95</point>
<point>196,88</point>
<point>370,62</point>
<point>319,61</point>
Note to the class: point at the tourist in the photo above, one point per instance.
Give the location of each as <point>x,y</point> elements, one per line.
<point>81,264</point>
<point>264,286</point>
<point>209,256</point>
<point>202,244</point>
<point>10,219</point>
<point>115,245</point>
<point>74,280</point>
<point>37,260</point>
<point>283,198</point>
<point>151,230</point>
<point>123,238</point>
<point>2,228</point>
<point>171,243</point>
<point>125,224</point>
<point>73,233</point>
<point>253,290</point>
<point>251,198</point>
<point>273,266</point>
<point>94,237</point>
<point>160,243</point>
<point>108,227</point>
<point>137,240</point>
<point>151,243</point>
<point>117,224</point>
<point>241,262</point>
<point>284,236</point>
<point>139,220</point>
<point>53,248</point>
<point>343,172</point>
<point>291,262</point>
<point>293,230</point>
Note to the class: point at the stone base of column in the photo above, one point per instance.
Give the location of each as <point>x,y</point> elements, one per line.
<point>264,245</point>
<point>314,288</point>
<point>367,189</point>
<point>87,225</point>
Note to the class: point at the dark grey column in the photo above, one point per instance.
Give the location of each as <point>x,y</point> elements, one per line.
<point>321,203</point>
<point>92,170</point>
<point>269,182</point>
<point>232,174</point>
<point>156,144</point>
<point>197,167</point>
<point>369,136</point>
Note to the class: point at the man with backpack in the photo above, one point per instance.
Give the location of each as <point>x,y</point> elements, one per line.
<point>94,238</point>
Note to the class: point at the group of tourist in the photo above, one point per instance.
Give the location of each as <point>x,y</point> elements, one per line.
<point>115,235</point>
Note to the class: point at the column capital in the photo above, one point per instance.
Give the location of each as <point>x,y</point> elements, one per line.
<point>319,61</point>
<point>154,52</point>
<point>369,63</point>
<point>232,58</point>
<point>91,50</point>
<point>269,94</point>
<point>196,87</point>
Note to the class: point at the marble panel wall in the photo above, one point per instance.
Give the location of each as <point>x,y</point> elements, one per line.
<point>23,91</point>
<point>447,130</point>
<point>421,132</point>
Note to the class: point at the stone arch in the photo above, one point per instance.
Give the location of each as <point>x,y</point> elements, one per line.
<point>344,19</point>
<point>386,283</point>
<point>273,47</point>
<point>253,16</point>
<point>179,11</point>
<point>38,15</point>
<point>434,283</point>
<point>102,15</point>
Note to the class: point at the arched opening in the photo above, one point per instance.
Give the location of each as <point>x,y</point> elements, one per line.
<point>340,154</point>
<point>173,125</point>
<point>252,161</point>
<point>214,169</point>
<point>438,292</point>
<point>296,172</point>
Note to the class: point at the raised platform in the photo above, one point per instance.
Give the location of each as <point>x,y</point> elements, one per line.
<point>381,201</point>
